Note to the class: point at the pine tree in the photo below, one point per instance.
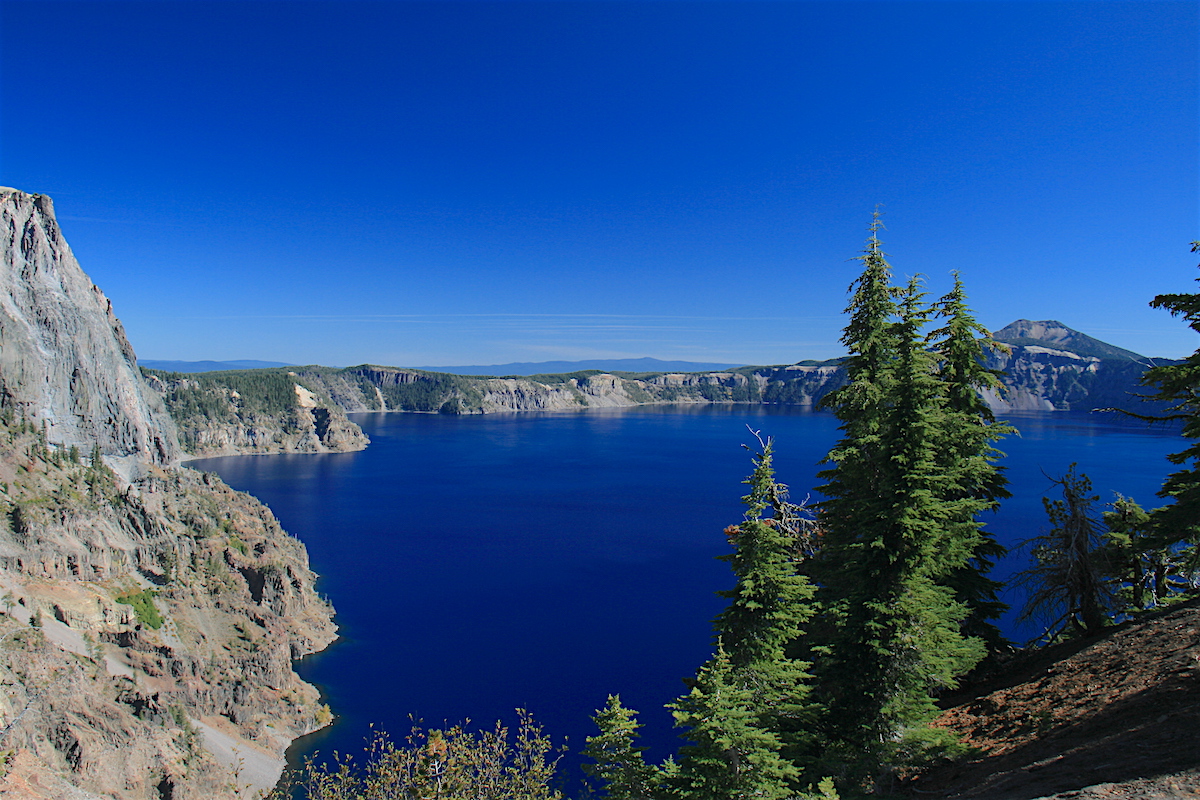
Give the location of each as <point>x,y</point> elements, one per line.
<point>1067,578</point>
<point>748,713</point>
<point>620,764</point>
<point>896,525</point>
<point>968,433</point>
<point>1179,385</point>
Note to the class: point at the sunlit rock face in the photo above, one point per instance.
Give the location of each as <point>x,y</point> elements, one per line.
<point>65,362</point>
<point>149,614</point>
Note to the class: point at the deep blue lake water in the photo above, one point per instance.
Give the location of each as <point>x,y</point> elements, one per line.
<point>484,563</point>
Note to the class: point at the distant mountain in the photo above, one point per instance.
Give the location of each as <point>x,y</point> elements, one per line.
<point>1057,336</point>
<point>607,365</point>
<point>207,366</point>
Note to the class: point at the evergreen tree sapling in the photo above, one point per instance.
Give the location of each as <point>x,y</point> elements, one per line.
<point>732,755</point>
<point>748,714</point>
<point>619,763</point>
<point>1146,567</point>
<point>1127,552</point>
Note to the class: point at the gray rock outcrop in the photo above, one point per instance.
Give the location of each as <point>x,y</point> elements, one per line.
<point>1055,335</point>
<point>65,362</point>
<point>258,412</point>
<point>149,614</point>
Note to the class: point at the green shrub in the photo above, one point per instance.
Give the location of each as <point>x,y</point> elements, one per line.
<point>143,606</point>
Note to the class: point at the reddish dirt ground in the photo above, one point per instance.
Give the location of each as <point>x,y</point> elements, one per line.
<point>1113,716</point>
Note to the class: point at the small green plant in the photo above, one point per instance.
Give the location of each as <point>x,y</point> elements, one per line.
<point>143,606</point>
<point>179,716</point>
<point>94,648</point>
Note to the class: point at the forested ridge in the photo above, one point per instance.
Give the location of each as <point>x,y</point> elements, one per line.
<point>850,619</point>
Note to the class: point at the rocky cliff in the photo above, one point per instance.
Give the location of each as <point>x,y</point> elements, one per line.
<point>1051,367</point>
<point>64,360</point>
<point>149,614</point>
<point>1036,378</point>
<point>375,388</point>
<point>262,411</point>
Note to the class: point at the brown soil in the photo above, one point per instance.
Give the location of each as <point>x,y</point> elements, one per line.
<point>1112,716</point>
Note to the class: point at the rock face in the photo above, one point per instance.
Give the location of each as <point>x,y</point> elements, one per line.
<point>1044,379</point>
<point>375,388</point>
<point>1037,378</point>
<point>264,411</point>
<point>1052,333</point>
<point>64,360</point>
<point>135,615</point>
<point>1054,368</point>
<point>149,614</point>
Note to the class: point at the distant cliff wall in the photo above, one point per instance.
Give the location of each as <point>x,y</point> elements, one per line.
<point>1036,378</point>
<point>375,388</point>
<point>1045,379</point>
<point>252,412</point>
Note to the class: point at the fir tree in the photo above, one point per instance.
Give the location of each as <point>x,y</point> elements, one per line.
<point>732,756</point>
<point>748,713</point>
<point>853,674</point>
<point>897,525</point>
<point>968,456</point>
<point>1179,385</point>
<point>929,534</point>
<point>620,765</point>
<point>769,607</point>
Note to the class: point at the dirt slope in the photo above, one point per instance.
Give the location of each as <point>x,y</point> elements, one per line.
<point>1119,713</point>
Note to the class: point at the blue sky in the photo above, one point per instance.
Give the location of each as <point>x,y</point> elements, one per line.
<point>474,183</point>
